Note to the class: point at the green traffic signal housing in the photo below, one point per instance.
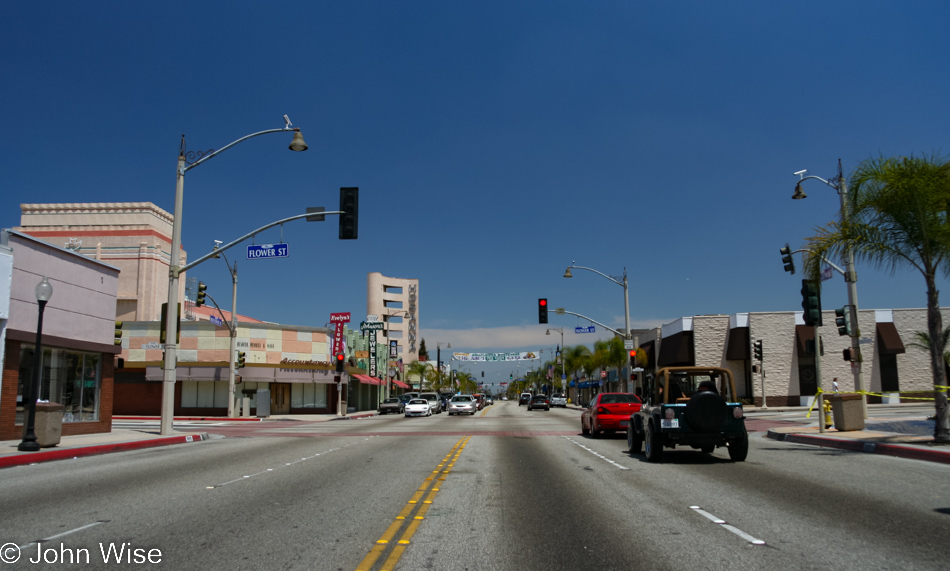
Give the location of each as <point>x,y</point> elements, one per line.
<point>241,359</point>
<point>843,320</point>
<point>118,333</point>
<point>757,349</point>
<point>811,302</point>
<point>200,298</point>
<point>787,258</point>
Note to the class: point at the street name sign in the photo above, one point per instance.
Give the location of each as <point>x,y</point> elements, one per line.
<point>590,329</point>
<point>256,251</point>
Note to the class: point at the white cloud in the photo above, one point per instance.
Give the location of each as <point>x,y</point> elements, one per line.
<point>523,337</point>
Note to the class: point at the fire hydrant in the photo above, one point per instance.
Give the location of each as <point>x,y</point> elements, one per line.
<point>827,407</point>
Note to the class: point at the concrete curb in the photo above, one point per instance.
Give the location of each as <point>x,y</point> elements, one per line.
<point>26,458</point>
<point>897,450</point>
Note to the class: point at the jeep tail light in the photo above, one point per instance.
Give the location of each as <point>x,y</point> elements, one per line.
<point>669,413</point>
<point>737,412</point>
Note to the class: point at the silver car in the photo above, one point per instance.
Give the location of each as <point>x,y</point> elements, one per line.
<point>434,402</point>
<point>463,403</point>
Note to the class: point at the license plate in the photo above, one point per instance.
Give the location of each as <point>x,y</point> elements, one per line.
<point>674,423</point>
<point>624,423</point>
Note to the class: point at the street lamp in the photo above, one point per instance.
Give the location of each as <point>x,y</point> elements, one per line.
<point>171,317</point>
<point>438,359</point>
<point>850,278</point>
<point>44,291</point>
<point>629,341</point>
<point>559,356</point>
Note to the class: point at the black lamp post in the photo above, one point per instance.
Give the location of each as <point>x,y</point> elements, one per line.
<point>44,291</point>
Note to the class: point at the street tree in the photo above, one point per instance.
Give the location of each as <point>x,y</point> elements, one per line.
<point>898,217</point>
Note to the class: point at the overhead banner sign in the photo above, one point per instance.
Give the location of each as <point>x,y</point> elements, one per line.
<point>525,356</point>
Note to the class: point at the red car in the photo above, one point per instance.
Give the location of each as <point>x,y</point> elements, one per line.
<point>609,412</point>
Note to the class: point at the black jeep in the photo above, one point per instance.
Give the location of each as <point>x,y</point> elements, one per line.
<point>689,406</point>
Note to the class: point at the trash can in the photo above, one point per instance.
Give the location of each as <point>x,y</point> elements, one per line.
<point>263,403</point>
<point>48,423</point>
<point>847,411</point>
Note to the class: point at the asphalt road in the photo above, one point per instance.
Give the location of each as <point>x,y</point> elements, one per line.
<point>506,489</point>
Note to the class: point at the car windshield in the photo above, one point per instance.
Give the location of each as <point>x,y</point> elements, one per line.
<point>461,399</point>
<point>540,397</point>
<point>418,401</point>
<point>616,399</point>
<point>391,400</point>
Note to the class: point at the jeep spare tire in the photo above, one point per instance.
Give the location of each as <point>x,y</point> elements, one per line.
<point>706,411</point>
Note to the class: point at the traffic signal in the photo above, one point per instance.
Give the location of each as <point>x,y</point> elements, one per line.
<point>349,205</point>
<point>843,320</point>
<point>241,359</point>
<point>340,361</point>
<point>118,333</point>
<point>200,298</point>
<point>811,302</point>
<point>757,349</point>
<point>633,357</point>
<point>787,258</point>
<point>163,327</point>
<point>542,310</point>
<point>847,354</point>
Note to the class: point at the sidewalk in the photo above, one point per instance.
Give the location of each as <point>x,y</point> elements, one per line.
<point>124,439</point>
<point>911,439</point>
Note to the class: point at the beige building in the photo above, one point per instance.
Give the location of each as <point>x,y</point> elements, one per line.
<point>396,302</point>
<point>132,236</point>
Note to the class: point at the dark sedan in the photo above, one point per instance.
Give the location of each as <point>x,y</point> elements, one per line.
<point>393,404</point>
<point>539,401</point>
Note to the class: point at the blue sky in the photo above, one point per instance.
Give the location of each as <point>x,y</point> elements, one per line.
<point>493,142</point>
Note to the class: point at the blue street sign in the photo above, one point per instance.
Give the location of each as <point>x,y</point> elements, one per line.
<point>267,251</point>
<point>584,329</point>
<point>216,320</point>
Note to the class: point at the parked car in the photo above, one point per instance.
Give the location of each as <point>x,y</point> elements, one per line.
<point>418,407</point>
<point>392,404</point>
<point>462,404</point>
<point>434,402</point>
<point>480,400</point>
<point>609,412</point>
<point>539,401</point>
<point>690,406</point>
<point>559,399</point>
<point>525,398</point>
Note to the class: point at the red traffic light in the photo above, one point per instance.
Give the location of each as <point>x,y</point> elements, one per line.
<point>339,362</point>
<point>542,302</point>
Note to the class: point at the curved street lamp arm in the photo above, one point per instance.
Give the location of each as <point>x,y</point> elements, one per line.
<point>221,249</point>
<point>217,152</point>
<point>615,280</point>
<point>561,310</point>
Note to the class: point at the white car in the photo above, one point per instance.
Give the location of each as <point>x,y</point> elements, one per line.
<point>418,407</point>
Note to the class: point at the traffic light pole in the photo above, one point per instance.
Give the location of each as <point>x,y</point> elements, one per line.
<point>821,397</point>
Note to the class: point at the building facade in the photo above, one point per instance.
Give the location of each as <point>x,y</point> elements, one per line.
<point>78,353</point>
<point>396,302</point>
<point>132,236</point>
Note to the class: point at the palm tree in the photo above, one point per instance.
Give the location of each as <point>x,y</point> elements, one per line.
<point>619,356</point>
<point>898,216</point>
<point>418,369</point>
<point>600,359</point>
<point>575,358</point>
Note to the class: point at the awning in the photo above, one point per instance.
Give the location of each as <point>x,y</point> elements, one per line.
<point>400,384</point>
<point>676,350</point>
<point>888,340</point>
<point>247,374</point>
<point>367,380</point>
<point>737,349</point>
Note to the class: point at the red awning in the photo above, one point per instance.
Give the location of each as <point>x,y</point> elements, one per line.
<point>400,384</point>
<point>366,380</point>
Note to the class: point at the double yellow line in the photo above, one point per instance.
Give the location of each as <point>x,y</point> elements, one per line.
<point>414,512</point>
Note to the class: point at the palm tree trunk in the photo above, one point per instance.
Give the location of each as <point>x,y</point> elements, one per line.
<point>937,364</point>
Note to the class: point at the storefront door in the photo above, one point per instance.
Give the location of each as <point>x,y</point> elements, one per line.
<point>279,398</point>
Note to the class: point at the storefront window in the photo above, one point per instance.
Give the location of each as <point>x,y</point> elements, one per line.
<point>308,395</point>
<point>70,378</point>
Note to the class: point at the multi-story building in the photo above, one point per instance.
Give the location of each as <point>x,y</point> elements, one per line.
<point>396,302</point>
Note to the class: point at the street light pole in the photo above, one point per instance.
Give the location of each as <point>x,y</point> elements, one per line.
<point>44,291</point>
<point>170,364</point>
<point>850,278</point>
